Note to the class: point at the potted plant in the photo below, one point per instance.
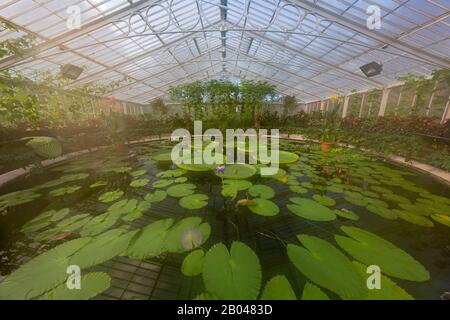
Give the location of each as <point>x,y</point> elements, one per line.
<point>331,125</point>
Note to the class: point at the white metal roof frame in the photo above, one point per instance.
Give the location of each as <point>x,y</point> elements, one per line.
<point>307,48</point>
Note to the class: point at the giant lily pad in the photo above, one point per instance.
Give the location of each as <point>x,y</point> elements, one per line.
<point>278,288</point>
<point>311,210</point>
<point>195,201</point>
<point>111,196</point>
<point>40,274</point>
<point>264,207</point>
<point>326,266</point>
<point>261,191</point>
<point>238,171</point>
<point>371,249</point>
<point>181,190</point>
<point>92,284</point>
<point>193,263</point>
<point>234,274</point>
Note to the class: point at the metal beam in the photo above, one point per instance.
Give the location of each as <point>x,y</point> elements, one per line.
<point>73,34</point>
<point>356,76</point>
<point>362,29</point>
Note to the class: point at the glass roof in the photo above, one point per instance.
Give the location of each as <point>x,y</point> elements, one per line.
<point>307,48</point>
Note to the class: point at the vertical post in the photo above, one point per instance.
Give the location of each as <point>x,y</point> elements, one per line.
<point>446,113</point>
<point>345,107</point>
<point>362,105</point>
<point>384,100</point>
<point>413,103</point>
<point>430,102</point>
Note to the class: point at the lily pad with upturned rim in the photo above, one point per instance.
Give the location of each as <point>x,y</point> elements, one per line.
<point>238,171</point>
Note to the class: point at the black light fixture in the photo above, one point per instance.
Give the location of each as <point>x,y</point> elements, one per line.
<point>372,69</point>
<point>70,71</point>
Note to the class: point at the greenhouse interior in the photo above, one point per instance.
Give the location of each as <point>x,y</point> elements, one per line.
<point>225,150</point>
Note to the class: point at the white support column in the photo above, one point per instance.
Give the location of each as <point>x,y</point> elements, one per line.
<point>384,100</point>
<point>362,105</point>
<point>446,113</point>
<point>430,102</point>
<point>345,107</point>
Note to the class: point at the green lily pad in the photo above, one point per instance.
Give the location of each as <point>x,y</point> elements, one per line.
<point>234,274</point>
<point>389,290</point>
<point>175,173</point>
<point>344,213</point>
<point>324,200</point>
<point>180,180</point>
<point>40,274</point>
<point>282,157</point>
<point>92,284</point>
<point>137,212</point>
<point>64,190</point>
<point>97,184</point>
<point>371,249</point>
<point>187,234</point>
<point>193,263</point>
<point>382,212</point>
<point>102,248</point>
<point>111,196</point>
<point>441,218</point>
<point>138,173</point>
<point>414,218</point>
<point>150,242</point>
<point>311,210</point>
<point>238,172</point>
<point>395,198</point>
<point>181,190</point>
<point>195,201</point>
<point>326,266</point>
<point>156,196</point>
<point>98,225</point>
<point>261,191</point>
<point>138,183</point>
<point>264,207</point>
<point>231,188</point>
<point>17,198</point>
<point>163,183</point>
<point>299,189</point>
<point>312,292</point>
<point>278,288</point>
<point>163,157</point>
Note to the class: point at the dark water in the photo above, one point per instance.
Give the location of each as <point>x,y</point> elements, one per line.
<point>160,278</point>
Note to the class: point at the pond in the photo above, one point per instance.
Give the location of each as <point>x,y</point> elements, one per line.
<point>141,228</point>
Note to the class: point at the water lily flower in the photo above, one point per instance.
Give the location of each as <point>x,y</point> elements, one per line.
<point>173,166</point>
<point>191,238</point>
<point>219,169</point>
